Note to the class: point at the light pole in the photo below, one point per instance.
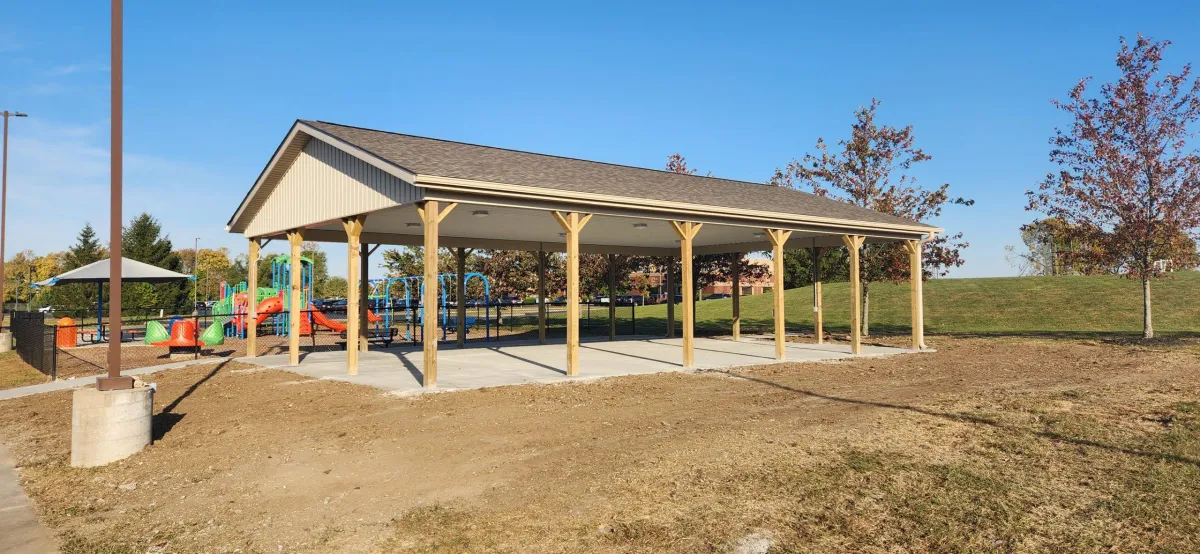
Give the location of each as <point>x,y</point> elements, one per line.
<point>113,380</point>
<point>195,271</point>
<point>4,207</point>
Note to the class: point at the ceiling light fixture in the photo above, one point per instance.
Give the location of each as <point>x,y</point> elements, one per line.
<point>759,235</point>
<point>562,235</point>
<point>411,224</point>
<point>480,213</point>
<point>639,225</point>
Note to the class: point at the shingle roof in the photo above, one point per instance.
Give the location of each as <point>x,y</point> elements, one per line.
<point>446,158</point>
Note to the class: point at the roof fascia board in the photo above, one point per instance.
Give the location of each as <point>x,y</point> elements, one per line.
<point>400,239</point>
<point>503,199</point>
<point>262,176</point>
<point>591,199</point>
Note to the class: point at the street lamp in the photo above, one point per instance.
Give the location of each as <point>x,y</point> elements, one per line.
<point>195,270</point>
<point>4,206</point>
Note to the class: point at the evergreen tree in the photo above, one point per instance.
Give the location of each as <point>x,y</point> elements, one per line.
<point>87,249</point>
<point>142,241</point>
<point>797,267</point>
<point>77,299</point>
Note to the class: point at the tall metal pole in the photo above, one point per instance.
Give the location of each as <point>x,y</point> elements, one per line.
<point>195,271</point>
<point>114,380</point>
<point>4,208</point>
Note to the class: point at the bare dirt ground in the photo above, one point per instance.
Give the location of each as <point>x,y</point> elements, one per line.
<point>987,445</point>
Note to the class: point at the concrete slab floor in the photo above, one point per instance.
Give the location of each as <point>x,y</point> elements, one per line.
<point>480,365</point>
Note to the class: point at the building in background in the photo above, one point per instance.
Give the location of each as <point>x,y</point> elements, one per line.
<point>749,286</point>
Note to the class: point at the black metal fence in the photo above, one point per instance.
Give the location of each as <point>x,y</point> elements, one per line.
<point>34,341</point>
<point>151,337</point>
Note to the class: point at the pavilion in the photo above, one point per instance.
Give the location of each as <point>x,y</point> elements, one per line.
<point>335,183</point>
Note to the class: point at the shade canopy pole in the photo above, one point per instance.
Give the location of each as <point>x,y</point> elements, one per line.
<point>612,297</point>
<point>818,309</point>
<point>916,277</point>
<point>295,240</point>
<point>353,226</point>
<point>364,293</point>
<point>460,295</point>
<point>736,291</point>
<point>854,244</point>
<point>541,296</point>
<point>779,238</point>
<point>431,216</point>
<point>670,296</point>
<point>251,319</point>
<point>572,223</point>
<point>686,230</point>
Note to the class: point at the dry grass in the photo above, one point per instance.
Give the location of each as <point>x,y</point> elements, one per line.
<point>14,372</point>
<point>987,445</point>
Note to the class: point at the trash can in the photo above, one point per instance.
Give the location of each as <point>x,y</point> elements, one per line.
<point>66,337</point>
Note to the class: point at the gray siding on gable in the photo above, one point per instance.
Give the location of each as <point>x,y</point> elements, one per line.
<point>323,184</point>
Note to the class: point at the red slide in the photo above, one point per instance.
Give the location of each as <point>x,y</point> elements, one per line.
<point>324,321</point>
<point>337,326</point>
<point>269,306</point>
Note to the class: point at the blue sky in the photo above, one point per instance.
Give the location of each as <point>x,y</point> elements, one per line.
<point>211,88</point>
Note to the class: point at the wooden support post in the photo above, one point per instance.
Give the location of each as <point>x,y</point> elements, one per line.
<point>460,298</point>
<point>916,279</point>
<point>295,240</point>
<point>431,217</point>
<point>818,308</point>
<point>353,227</point>
<point>541,296</point>
<point>671,297</point>
<point>612,297</point>
<point>364,288</point>
<point>779,238</point>
<point>736,293</point>
<point>572,223</point>
<point>687,231</point>
<point>854,244</point>
<point>251,318</point>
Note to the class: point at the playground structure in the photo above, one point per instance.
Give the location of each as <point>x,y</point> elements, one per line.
<point>380,298</point>
<point>392,303</point>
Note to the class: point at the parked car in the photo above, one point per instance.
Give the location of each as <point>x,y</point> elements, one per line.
<point>510,301</point>
<point>477,303</point>
<point>631,300</point>
<point>557,300</point>
<point>717,296</point>
<point>333,306</point>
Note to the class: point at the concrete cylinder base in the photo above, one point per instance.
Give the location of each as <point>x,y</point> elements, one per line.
<point>107,426</point>
<point>5,341</point>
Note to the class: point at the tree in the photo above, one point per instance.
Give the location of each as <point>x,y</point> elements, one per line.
<point>212,267</point>
<point>87,250</point>
<point>141,240</point>
<point>871,171</point>
<point>335,287</point>
<point>712,268</point>
<point>69,298</point>
<point>1128,183</point>
<point>798,267</point>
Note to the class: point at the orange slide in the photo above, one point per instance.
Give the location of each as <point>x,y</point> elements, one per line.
<point>323,320</point>
<point>269,306</point>
<point>274,305</point>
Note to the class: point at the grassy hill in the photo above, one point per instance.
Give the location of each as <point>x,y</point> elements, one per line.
<point>1006,305</point>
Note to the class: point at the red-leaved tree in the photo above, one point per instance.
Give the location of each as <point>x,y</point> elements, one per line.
<point>1128,184</point>
<point>711,268</point>
<point>871,171</point>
